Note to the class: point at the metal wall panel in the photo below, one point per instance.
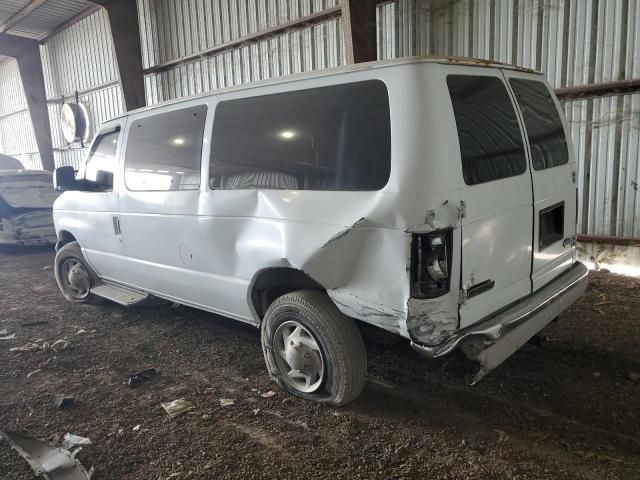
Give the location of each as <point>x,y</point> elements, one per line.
<point>174,29</point>
<point>12,98</point>
<point>575,42</point>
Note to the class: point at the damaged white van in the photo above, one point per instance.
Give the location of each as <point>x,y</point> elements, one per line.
<point>433,198</point>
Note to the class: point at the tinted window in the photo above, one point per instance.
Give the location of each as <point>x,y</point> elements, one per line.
<point>102,156</point>
<point>490,139</point>
<point>164,151</point>
<point>329,138</point>
<point>542,121</point>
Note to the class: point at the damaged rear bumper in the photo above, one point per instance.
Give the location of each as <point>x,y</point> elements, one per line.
<point>491,341</point>
<point>31,228</point>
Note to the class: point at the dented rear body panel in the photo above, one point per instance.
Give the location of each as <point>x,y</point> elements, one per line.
<point>391,256</point>
<point>26,202</point>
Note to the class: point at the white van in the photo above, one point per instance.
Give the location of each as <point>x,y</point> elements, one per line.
<point>432,198</point>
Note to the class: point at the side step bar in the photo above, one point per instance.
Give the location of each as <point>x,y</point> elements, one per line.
<point>119,294</point>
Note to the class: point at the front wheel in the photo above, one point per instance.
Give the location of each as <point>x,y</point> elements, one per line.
<point>74,276</point>
<point>312,350</point>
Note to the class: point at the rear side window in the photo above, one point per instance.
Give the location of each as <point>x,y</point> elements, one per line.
<point>102,157</point>
<point>490,139</point>
<point>328,138</point>
<point>164,151</point>
<point>542,121</point>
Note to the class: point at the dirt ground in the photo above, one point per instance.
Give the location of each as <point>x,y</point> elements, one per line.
<point>569,408</point>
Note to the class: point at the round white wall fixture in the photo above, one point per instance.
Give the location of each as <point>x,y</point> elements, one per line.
<point>75,123</point>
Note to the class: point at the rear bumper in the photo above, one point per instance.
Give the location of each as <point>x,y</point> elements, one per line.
<point>27,230</point>
<point>493,340</point>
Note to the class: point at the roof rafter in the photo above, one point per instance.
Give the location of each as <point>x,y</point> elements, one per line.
<point>21,14</point>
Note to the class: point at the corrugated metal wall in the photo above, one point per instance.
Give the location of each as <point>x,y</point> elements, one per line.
<point>172,29</point>
<point>575,42</point>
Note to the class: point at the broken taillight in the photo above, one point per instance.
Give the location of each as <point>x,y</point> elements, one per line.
<point>431,264</point>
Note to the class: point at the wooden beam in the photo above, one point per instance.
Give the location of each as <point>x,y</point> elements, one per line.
<point>125,33</point>
<point>610,240</point>
<point>616,87</point>
<point>359,24</point>
<point>27,54</point>
<point>21,14</point>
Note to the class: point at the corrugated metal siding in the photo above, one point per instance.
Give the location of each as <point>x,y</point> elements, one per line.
<point>174,29</point>
<point>79,58</point>
<point>575,42</point>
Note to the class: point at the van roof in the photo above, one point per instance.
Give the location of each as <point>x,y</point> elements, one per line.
<point>467,61</point>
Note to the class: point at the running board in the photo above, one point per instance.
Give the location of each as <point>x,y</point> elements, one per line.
<point>119,294</point>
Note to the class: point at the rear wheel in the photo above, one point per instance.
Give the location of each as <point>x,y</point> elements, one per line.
<point>312,350</point>
<point>74,276</point>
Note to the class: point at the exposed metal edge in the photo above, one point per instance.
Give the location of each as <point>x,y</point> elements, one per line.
<point>610,240</point>
<point>619,87</point>
<point>494,328</point>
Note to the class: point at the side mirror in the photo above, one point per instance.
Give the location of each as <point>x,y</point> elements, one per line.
<point>64,178</point>
<point>104,179</point>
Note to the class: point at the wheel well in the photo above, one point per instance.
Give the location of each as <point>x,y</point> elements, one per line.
<point>65,237</point>
<point>275,282</point>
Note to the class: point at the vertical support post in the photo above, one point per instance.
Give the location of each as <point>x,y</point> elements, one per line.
<point>359,24</point>
<point>125,33</point>
<point>27,54</point>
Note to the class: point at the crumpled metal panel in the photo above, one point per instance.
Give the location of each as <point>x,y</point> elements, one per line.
<point>47,461</point>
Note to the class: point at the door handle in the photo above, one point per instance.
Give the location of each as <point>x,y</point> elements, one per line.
<point>116,225</point>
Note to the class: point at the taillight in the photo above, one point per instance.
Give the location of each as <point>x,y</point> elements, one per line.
<point>431,263</point>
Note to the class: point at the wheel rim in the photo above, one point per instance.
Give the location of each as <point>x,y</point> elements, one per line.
<point>75,279</point>
<point>298,357</point>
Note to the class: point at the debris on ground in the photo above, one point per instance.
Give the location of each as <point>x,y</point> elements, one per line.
<point>60,344</point>
<point>34,323</point>
<point>268,394</point>
<point>30,374</point>
<point>177,407</point>
<point>64,401</point>
<point>136,428</point>
<point>27,347</point>
<point>81,331</point>
<point>46,460</point>
<point>70,440</point>
<point>4,336</point>
<point>226,402</point>
<point>141,377</point>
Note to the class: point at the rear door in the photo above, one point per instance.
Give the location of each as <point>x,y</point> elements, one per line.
<point>553,171</point>
<point>496,191</point>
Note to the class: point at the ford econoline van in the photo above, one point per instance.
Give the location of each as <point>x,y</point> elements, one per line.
<point>432,198</point>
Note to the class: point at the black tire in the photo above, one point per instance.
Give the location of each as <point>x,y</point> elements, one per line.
<point>338,338</point>
<point>72,251</point>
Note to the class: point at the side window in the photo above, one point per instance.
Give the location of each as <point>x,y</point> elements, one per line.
<point>164,151</point>
<point>542,123</point>
<point>101,162</point>
<point>491,143</point>
<point>327,138</point>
